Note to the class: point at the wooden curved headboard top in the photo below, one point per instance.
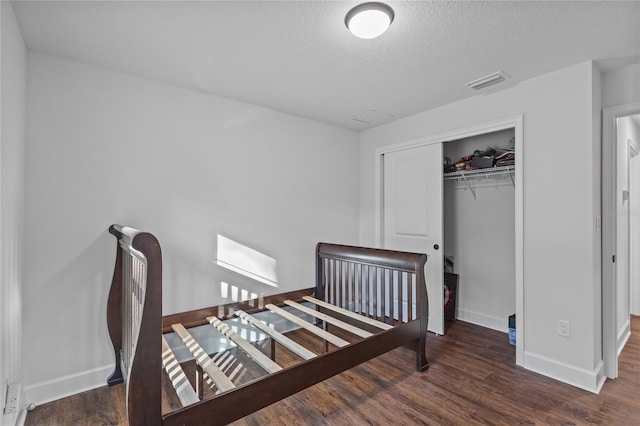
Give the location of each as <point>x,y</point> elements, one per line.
<point>392,259</point>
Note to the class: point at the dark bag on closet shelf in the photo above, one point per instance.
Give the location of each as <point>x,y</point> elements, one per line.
<point>484,159</point>
<point>482,162</point>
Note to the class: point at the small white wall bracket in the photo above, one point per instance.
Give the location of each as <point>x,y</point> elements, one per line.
<point>464,177</point>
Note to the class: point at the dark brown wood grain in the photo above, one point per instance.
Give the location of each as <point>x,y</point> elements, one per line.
<point>144,377</point>
<point>143,380</point>
<point>472,379</point>
<point>260,393</point>
<point>114,312</point>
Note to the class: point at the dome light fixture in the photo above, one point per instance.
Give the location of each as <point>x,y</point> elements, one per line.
<point>369,20</point>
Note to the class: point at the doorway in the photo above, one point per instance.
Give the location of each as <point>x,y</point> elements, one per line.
<point>434,248</point>
<point>634,221</point>
<point>620,288</point>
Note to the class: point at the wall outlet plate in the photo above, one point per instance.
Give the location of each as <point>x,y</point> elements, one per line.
<point>13,394</point>
<point>564,328</point>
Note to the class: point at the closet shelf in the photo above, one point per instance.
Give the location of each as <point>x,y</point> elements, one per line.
<point>464,175</point>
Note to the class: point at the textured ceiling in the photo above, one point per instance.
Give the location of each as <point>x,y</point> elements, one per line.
<point>299,58</point>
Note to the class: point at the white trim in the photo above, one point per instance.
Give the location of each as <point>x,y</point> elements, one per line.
<point>634,149</point>
<point>22,417</point>
<point>61,387</point>
<point>517,123</point>
<point>609,293</point>
<point>19,416</point>
<point>589,380</point>
<point>623,336</point>
<point>483,320</point>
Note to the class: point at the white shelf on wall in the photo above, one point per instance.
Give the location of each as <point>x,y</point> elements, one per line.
<point>467,176</point>
<point>464,175</point>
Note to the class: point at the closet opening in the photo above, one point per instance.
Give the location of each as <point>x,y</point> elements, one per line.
<point>411,215</point>
<point>479,222</point>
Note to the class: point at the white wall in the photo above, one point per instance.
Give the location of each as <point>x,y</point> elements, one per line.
<point>621,86</point>
<point>562,278</point>
<point>105,147</point>
<point>12,142</point>
<point>480,233</point>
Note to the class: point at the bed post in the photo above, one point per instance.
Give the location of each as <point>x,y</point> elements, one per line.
<point>422,363</point>
<point>134,320</point>
<point>145,381</point>
<point>114,312</point>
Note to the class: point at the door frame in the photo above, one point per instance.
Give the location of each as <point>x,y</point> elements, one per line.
<point>634,150</point>
<point>515,122</point>
<point>609,190</point>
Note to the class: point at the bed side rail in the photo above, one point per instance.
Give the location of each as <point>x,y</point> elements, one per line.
<point>134,319</point>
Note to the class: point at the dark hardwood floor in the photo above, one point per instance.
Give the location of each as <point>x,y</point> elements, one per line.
<point>473,379</point>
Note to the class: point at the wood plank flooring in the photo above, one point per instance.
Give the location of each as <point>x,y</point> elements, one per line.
<point>472,380</point>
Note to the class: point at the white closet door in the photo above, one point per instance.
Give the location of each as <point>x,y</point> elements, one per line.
<point>412,217</point>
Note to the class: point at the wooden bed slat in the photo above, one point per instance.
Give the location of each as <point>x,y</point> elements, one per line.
<point>277,336</point>
<point>263,360</point>
<point>221,380</point>
<point>335,340</point>
<point>349,314</point>
<point>329,319</point>
<point>181,384</point>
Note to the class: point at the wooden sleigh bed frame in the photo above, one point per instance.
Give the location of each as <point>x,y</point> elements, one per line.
<point>376,296</point>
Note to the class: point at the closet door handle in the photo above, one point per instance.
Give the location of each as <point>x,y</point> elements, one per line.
<point>436,247</point>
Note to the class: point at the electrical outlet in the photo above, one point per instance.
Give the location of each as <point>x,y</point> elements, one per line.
<point>564,328</point>
<point>13,393</point>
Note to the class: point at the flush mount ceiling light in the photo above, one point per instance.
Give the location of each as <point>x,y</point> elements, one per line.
<point>369,20</point>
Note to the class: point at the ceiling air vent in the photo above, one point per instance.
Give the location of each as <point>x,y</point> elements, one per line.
<point>488,80</point>
<point>373,117</point>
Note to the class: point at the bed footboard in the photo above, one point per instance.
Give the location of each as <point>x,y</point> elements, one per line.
<point>386,285</point>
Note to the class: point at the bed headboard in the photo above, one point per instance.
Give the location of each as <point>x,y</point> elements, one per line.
<point>137,340</point>
<point>383,284</point>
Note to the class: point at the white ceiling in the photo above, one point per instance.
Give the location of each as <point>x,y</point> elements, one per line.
<point>298,56</point>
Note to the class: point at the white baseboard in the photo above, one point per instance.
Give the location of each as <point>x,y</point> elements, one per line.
<point>51,390</point>
<point>484,320</point>
<point>623,336</point>
<point>589,380</point>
